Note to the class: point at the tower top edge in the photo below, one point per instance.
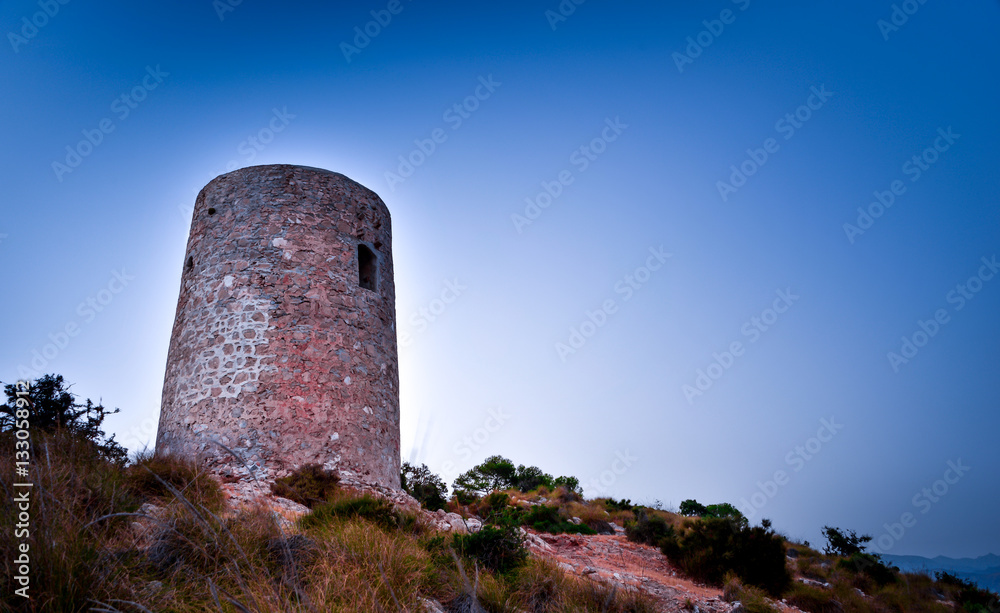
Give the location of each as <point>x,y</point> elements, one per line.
<point>276,169</point>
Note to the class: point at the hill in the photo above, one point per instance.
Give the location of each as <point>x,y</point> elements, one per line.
<point>984,571</point>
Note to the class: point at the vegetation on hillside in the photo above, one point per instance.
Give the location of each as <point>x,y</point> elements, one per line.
<point>154,534</point>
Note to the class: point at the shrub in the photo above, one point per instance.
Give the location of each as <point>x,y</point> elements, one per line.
<point>546,519</point>
<point>813,599</point>
<point>531,478</point>
<point>869,565</point>
<point>648,529</point>
<point>428,488</point>
<point>692,508</point>
<point>844,543</point>
<point>708,548</point>
<point>153,476</point>
<point>492,507</point>
<point>498,547</point>
<point>379,511</point>
<point>54,408</point>
<point>572,484</point>
<point>310,485</point>
<point>619,505</point>
<point>725,510</point>
<point>753,599</point>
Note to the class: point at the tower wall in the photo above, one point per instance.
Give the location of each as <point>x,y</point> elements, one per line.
<point>284,343</point>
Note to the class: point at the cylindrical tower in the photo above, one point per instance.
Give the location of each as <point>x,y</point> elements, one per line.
<point>284,344</point>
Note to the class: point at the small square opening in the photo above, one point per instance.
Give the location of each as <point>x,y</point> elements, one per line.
<point>367,268</point>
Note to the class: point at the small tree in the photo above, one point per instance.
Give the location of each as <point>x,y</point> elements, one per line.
<point>54,408</point>
<point>572,484</point>
<point>495,473</point>
<point>531,477</point>
<point>428,488</point>
<point>844,542</point>
<point>692,508</point>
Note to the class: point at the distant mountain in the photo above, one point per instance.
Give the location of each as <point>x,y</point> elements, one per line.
<point>984,570</point>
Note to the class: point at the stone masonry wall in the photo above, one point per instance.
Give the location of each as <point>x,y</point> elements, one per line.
<point>277,352</point>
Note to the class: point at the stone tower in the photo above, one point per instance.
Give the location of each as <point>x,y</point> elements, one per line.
<point>284,344</point>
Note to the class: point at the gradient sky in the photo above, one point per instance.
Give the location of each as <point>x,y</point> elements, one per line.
<point>205,84</point>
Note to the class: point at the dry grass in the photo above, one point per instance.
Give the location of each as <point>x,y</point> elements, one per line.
<point>353,554</point>
<point>754,599</point>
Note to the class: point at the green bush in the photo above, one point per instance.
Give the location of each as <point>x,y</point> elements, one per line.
<point>546,519</point>
<point>376,510</point>
<point>709,548</point>
<point>492,507</point>
<point>428,488</point>
<point>498,547</point>
<point>648,529</point>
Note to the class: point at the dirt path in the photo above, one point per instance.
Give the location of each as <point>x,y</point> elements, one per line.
<point>616,559</point>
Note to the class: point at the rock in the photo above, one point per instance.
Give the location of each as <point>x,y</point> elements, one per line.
<point>151,588</point>
<point>473,524</point>
<point>590,570</point>
<point>792,553</point>
<point>284,505</point>
<point>457,523</point>
<point>431,606</point>
<point>575,520</point>
<point>282,522</point>
<point>569,568</point>
<point>738,608</point>
<point>150,509</point>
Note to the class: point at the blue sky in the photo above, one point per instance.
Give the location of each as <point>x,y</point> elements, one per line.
<point>604,211</point>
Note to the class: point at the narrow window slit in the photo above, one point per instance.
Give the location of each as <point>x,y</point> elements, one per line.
<point>367,268</point>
